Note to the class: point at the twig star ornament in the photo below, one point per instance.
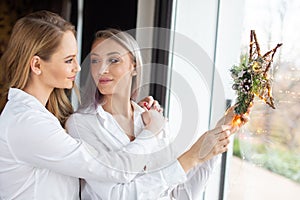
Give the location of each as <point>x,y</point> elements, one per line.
<point>252,78</point>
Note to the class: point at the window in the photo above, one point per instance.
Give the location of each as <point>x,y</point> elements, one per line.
<point>266,164</point>
<point>207,38</point>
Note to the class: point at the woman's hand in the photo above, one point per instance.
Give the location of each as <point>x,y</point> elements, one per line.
<point>227,118</point>
<point>148,102</point>
<point>154,121</point>
<point>211,143</point>
<point>230,117</point>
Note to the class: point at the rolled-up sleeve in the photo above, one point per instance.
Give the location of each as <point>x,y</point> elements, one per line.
<point>196,182</point>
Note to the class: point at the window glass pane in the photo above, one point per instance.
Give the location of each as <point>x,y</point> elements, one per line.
<point>266,162</point>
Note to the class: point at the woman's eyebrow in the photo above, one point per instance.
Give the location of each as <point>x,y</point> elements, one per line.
<point>108,54</point>
<point>112,53</point>
<point>70,56</point>
<point>94,54</point>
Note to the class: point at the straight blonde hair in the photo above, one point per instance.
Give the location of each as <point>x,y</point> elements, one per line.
<point>40,34</point>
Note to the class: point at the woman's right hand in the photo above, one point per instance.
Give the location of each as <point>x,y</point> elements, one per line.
<point>211,143</point>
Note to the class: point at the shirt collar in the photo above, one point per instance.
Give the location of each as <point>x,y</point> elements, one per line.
<point>96,108</point>
<point>107,120</point>
<point>137,111</point>
<point>18,95</point>
<point>109,123</point>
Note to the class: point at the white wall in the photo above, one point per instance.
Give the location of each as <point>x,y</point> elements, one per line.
<point>215,26</point>
<point>197,20</point>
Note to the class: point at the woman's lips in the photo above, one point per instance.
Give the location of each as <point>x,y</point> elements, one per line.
<point>105,80</point>
<point>72,78</point>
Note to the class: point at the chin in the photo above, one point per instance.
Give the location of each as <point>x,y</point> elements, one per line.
<point>68,86</point>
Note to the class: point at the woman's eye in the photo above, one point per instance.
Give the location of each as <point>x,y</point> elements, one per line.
<point>94,61</point>
<point>114,60</point>
<point>69,61</point>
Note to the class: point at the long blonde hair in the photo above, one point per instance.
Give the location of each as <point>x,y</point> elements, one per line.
<point>40,34</point>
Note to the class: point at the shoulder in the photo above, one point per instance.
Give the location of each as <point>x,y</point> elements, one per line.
<point>82,116</point>
<point>23,115</point>
<point>81,123</point>
<point>23,124</point>
<point>22,107</point>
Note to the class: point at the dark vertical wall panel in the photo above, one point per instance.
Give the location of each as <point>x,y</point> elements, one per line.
<point>102,14</point>
<point>159,74</point>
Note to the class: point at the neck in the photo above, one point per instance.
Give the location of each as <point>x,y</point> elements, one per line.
<point>118,105</point>
<point>38,92</point>
<point>120,108</point>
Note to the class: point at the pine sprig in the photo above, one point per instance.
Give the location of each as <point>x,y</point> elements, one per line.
<point>243,85</point>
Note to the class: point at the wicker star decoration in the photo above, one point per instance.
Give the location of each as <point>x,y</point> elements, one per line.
<point>252,77</point>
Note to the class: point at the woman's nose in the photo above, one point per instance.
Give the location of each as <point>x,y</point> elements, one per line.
<point>103,69</point>
<point>77,66</point>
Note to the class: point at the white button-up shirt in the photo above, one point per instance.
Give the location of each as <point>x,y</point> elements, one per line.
<point>98,128</point>
<point>40,161</point>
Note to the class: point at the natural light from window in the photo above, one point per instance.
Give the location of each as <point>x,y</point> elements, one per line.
<point>266,162</point>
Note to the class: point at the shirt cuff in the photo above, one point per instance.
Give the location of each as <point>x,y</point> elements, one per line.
<point>174,174</point>
<point>210,164</point>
